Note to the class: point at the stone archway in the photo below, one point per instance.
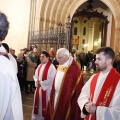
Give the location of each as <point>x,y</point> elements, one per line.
<point>52,12</point>
<point>115,33</point>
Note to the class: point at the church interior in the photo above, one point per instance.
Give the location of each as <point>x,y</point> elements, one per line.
<point>74,24</point>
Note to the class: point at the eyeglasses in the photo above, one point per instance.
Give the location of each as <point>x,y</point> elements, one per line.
<point>60,57</point>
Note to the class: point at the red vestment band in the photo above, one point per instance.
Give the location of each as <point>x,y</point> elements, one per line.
<point>44,77</point>
<point>106,92</point>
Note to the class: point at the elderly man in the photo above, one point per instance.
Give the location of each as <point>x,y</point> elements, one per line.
<point>10,96</point>
<point>66,89</point>
<point>44,76</point>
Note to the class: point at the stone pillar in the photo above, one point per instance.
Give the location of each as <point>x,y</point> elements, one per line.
<point>112,41</point>
<point>32,20</point>
<point>117,39</point>
<point>90,38</point>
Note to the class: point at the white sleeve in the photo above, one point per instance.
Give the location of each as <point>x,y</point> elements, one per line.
<point>10,95</point>
<point>46,84</point>
<point>113,111</point>
<point>35,77</point>
<point>84,95</point>
<point>4,95</point>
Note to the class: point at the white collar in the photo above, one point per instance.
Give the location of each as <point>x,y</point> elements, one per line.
<point>2,49</point>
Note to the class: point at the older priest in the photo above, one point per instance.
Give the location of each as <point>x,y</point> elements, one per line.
<point>66,89</point>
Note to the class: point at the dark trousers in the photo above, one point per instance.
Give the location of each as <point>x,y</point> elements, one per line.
<point>82,64</point>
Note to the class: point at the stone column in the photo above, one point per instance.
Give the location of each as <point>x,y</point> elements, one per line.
<point>112,41</point>
<point>117,39</point>
<point>32,21</point>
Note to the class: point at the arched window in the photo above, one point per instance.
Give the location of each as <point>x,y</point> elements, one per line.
<point>75,31</point>
<point>84,31</point>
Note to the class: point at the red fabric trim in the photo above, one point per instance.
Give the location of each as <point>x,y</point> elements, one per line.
<point>93,85</point>
<point>44,77</point>
<point>111,80</point>
<point>65,99</point>
<point>92,89</point>
<point>107,90</point>
<point>36,103</point>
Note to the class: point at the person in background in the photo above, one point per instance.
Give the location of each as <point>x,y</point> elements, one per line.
<point>75,56</point>
<point>94,65</point>
<point>43,78</point>
<point>52,54</point>
<point>35,50</point>
<point>20,75</point>
<point>12,59</point>
<point>31,65</point>
<point>10,96</point>
<point>116,63</point>
<point>66,88</point>
<point>82,59</point>
<point>13,51</point>
<point>89,59</point>
<point>25,55</point>
<point>55,63</point>
<point>100,96</point>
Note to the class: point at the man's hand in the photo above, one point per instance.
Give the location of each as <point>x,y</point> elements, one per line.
<point>90,108</point>
<point>38,83</point>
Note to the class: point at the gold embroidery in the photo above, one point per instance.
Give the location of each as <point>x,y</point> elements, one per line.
<point>65,69</point>
<point>62,68</point>
<point>107,94</point>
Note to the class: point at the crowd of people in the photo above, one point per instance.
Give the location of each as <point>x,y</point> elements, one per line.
<point>87,60</point>
<point>60,92</point>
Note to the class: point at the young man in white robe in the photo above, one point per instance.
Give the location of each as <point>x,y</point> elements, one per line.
<point>44,76</point>
<point>100,96</point>
<point>10,96</point>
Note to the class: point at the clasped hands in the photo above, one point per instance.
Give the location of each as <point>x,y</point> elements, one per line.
<point>38,83</point>
<point>90,107</point>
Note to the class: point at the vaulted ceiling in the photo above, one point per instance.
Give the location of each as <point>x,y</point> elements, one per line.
<point>54,11</point>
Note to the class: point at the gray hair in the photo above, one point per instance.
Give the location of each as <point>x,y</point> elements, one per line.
<point>63,51</point>
<point>4,26</point>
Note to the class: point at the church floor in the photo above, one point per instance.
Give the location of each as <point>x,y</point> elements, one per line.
<point>28,98</point>
<point>27,105</point>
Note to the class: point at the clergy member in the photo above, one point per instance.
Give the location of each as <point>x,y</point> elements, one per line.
<point>12,59</point>
<point>100,97</point>
<point>44,76</point>
<point>66,89</point>
<point>10,96</point>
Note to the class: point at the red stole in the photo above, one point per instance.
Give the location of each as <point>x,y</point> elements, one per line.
<point>36,104</point>
<point>66,106</point>
<point>106,92</point>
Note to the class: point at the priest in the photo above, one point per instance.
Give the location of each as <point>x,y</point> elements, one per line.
<point>66,88</point>
<point>100,97</point>
<point>44,76</point>
<point>10,95</point>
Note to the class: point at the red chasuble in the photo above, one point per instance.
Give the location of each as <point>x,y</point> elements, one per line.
<point>106,92</point>
<point>36,103</point>
<point>66,106</point>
